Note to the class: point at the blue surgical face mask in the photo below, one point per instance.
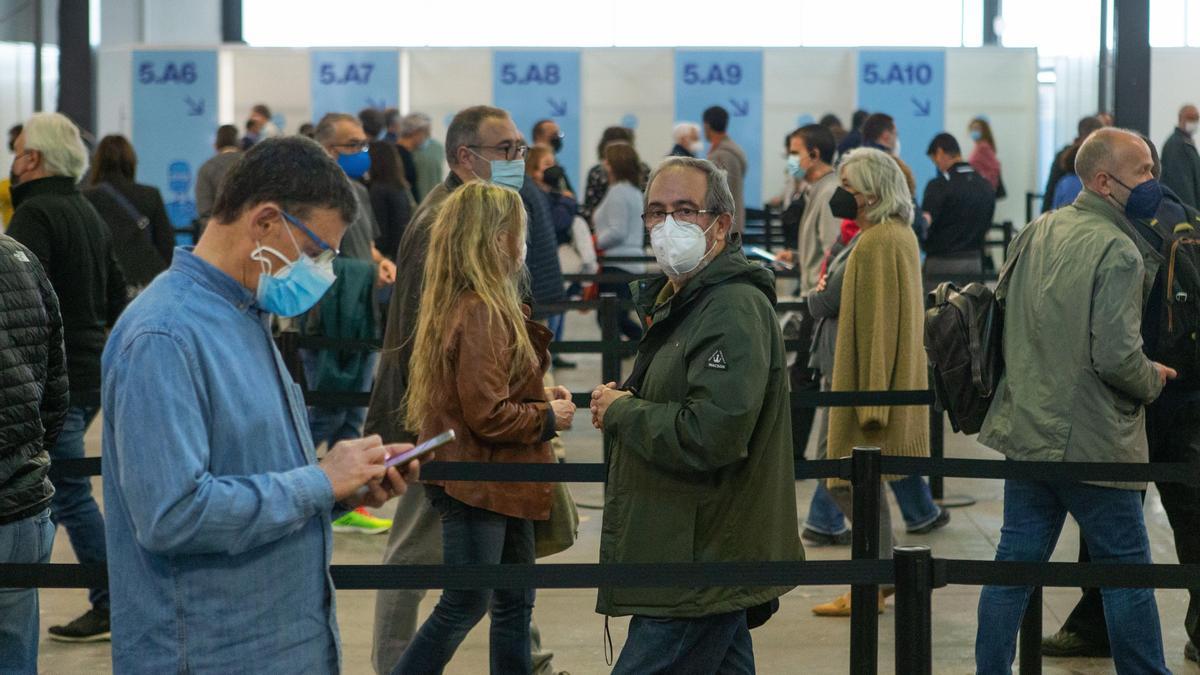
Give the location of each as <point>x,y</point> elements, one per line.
<point>793,166</point>
<point>976,134</point>
<point>509,173</point>
<point>1143,200</point>
<point>298,285</point>
<point>355,165</point>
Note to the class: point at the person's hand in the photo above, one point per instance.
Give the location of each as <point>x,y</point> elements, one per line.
<point>787,255</point>
<point>395,480</point>
<point>568,194</point>
<point>564,413</point>
<point>352,464</point>
<point>603,397</point>
<point>387,273</point>
<point>558,393</point>
<point>1165,373</point>
<point>821,283</point>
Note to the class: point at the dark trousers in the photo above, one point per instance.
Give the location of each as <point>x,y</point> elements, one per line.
<point>1174,435</point>
<point>629,326</point>
<point>712,644</point>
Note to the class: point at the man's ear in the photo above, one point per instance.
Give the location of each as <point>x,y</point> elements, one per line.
<point>263,217</point>
<point>724,226</point>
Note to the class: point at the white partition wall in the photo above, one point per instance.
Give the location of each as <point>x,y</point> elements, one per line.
<point>1173,84</point>
<point>636,87</point>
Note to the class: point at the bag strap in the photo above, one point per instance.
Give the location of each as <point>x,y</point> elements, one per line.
<point>1010,264</point>
<point>973,345</point>
<point>127,206</point>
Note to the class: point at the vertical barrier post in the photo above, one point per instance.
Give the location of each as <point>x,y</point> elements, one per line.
<point>610,335</point>
<point>1029,647</point>
<point>914,614</point>
<point>864,600</point>
<point>937,448</point>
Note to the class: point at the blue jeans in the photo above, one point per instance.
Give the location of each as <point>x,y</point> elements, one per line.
<point>73,506</point>
<point>28,540</point>
<point>1111,523</point>
<point>912,495</point>
<point>711,644</point>
<point>331,425</point>
<point>473,536</point>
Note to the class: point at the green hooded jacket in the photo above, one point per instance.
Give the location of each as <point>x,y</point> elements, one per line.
<point>700,459</point>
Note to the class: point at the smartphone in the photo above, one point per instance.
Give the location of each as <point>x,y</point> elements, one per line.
<point>770,257</point>
<point>421,449</point>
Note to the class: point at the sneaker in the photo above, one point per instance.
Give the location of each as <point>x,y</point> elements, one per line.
<point>841,606</point>
<point>360,521</point>
<point>1066,644</point>
<point>1189,652</point>
<point>93,626</point>
<point>937,524</point>
<point>814,538</point>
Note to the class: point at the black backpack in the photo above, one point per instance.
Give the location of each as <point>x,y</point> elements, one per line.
<point>1178,346</point>
<point>964,332</point>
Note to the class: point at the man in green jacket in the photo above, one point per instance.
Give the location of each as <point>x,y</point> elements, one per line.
<point>1075,384</point>
<point>698,442</point>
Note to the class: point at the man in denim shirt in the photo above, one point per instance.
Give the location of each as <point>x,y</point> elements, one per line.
<point>219,534</point>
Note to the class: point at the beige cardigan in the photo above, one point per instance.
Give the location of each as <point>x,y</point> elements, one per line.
<point>880,345</point>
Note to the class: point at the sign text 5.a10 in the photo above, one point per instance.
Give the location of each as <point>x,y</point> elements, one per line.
<point>167,73</point>
<point>897,73</point>
<point>351,73</point>
<point>730,73</point>
<point>549,73</point>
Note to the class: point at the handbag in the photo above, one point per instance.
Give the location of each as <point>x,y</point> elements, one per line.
<point>559,532</point>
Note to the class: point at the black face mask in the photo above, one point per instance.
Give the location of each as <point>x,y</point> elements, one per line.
<point>556,144</point>
<point>842,204</point>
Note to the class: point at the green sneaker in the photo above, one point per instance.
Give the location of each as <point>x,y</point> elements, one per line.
<point>360,521</point>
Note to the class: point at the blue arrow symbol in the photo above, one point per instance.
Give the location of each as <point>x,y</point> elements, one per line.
<point>922,107</point>
<point>558,107</point>
<point>740,108</point>
<point>195,106</point>
<point>381,104</point>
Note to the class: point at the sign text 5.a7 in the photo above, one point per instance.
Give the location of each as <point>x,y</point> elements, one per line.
<point>351,73</point>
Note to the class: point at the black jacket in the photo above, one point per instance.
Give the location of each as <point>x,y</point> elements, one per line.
<point>152,246</point>
<point>545,273</point>
<point>393,209</point>
<point>960,204</point>
<point>75,248</point>
<point>33,381</point>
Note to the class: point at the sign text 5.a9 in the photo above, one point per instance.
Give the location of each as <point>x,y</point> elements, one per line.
<point>351,73</point>
<point>549,73</point>
<point>167,73</point>
<point>730,73</point>
<point>897,73</point>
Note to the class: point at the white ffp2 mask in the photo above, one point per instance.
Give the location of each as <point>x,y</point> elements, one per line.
<point>679,247</point>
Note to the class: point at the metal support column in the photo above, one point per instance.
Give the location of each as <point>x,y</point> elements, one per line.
<point>1131,30</point>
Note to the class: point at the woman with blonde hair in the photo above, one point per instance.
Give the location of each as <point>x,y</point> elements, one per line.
<point>880,322</point>
<point>477,368</point>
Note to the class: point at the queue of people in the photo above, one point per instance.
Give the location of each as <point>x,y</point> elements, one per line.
<point>698,439</point>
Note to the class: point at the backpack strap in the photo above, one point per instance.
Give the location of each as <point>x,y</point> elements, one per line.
<point>127,206</point>
<point>1006,271</point>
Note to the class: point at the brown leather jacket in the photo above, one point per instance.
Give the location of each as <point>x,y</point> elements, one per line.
<point>495,420</point>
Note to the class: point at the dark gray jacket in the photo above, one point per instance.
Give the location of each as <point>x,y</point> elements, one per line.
<point>33,381</point>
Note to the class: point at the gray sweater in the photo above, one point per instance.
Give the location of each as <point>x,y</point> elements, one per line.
<point>618,220</point>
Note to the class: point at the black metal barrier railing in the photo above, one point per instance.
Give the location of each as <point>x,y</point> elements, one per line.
<point>914,572</point>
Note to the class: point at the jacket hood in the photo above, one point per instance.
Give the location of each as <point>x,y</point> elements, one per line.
<point>729,265</point>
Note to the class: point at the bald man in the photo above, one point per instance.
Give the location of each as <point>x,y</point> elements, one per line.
<point>1180,161</point>
<point>1074,388</point>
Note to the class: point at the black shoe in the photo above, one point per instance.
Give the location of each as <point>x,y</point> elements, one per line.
<point>938,523</point>
<point>563,364</point>
<point>814,538</point>
<point>1064,643</point>
<point>1189,652</point>
<point>91,627</point>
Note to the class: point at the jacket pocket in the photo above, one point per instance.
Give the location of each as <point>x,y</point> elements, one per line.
<point>655,528</point>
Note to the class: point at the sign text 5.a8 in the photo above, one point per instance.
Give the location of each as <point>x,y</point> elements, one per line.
<point>170,73</point>
<point>549,73</point>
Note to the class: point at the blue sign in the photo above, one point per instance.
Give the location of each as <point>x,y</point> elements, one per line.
<point>174,118</point>
<point>734,81</point>
<point>911,87</point>
<point>538,85</point>
<point>348,81</point>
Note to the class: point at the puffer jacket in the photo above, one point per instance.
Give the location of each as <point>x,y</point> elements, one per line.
<point>33,381</point>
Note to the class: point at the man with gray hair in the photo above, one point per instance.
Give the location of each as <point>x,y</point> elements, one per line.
<point>1180,160</point>
<point>412,132</point>
<point>699,438</point>
<point>430,159</point>
<point>687,140</point>
<point>73,243</point>
<point>1075,393</point>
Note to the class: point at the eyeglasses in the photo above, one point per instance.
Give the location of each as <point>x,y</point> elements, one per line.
<point>509,150</point>
<point>656,216</point>
<point>327,252</point>
<point>353,146</point>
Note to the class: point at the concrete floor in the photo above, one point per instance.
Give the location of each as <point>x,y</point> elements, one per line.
<point>794,641</point>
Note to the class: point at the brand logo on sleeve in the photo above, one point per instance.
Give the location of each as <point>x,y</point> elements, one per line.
<point>20,255</point>
<point>717,361</point>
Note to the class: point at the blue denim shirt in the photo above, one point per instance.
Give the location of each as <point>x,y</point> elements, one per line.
<point>218,518</point>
